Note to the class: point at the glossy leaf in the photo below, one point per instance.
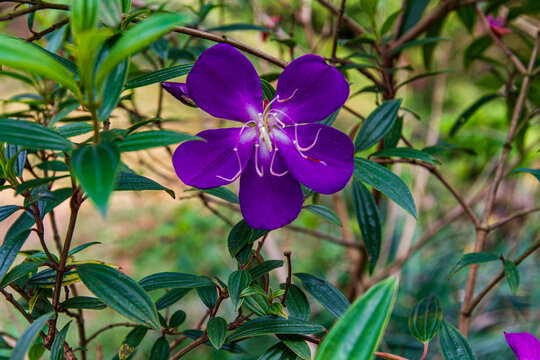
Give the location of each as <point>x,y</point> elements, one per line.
<point>367,216</point>
<point>386,182</point>
<point>18,272</point>
<point>96,167</point>
<point>275,325</point>
<point>240,235</point>
<point>453,345</point>
<point>28,337</point>
<point>297,344</point>
<point>472,258</point>
<point>208,296</point>
<point>32,135</point>
<point>84,15</point>
<point>9,250</point>
<point>325,293</point>
<point>238,281</point>
<point>296,302</point>
<point>413,12</point>
<point>174,280</point>
<point>160,349</point>
<point>511,274</point>
<point>394,135</point>
<point>171,297</point>
<point>120,293</point>
<point>324,212</point>
<point>6,211</point>
<point>127,181</point>
<point>407,153</point>
<point>177,318</point>
<point>84,302</point>
<point>278,352</point>
<point>426,319</point>
<point>222,193</point>
<point>357,335</point>
<point>152,138</point>
<point>469,112</point>
<point>111,89</point>
<point>265,267</point>
<point>74,129</point>
<point>159,76</point>
<point>377,125</point>
<point>27,185</point>
<point>57,347</point>
<point>217,331</point>
<point>534,172</point>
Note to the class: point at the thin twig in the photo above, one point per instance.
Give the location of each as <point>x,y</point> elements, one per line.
<point>289,276</point>
<point>349,22</point>
<point>336,28</point>
<point>39,35</point>
<point>323,236</point>
<point>512,217</point>
<point>31,9</point>
<point>108,327</point>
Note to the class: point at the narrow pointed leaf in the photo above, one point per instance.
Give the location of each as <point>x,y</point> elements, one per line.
<point>267,325</point>
<point>324,212</point>
<point>238,281</point>
<point>453,345</point>
<point>217,331</point>
<point>28,337</point>
<point>222,193</point>
<point>132,182</point>
<point>264,268</point>
<point>472,258</point>
<point>297,303</point>
<point>6,211</point>
<point>159,76</point>
<point>377,125</point>
<point>325,293</point>
<point>32,135</point>
<point>278,352</point>
<point>407,153</point>
<point>534,172</point>
<point>10,249</point>
<point>152,138</point>
<point>466,115</point>
<point>173,280</point>
<point>84,302</point>
<point>511,273</point>
<point>160,349</point>
<point>57,347</point>
<point>297,344</point>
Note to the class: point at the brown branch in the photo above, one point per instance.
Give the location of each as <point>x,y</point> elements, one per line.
<point>323,236</point>
<point>108,327</point>
<point>512,217</point>
<point>31,9</point>
<point>55,26</point>
<point>349,22</point>
<point>336,28</point>
<point>289,277</point>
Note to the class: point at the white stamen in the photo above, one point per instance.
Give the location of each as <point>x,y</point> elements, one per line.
<point>272,166</point>
<point>289,98</point>
<point>296,140</point>
<point>239,170</point>
<point>259,172</point>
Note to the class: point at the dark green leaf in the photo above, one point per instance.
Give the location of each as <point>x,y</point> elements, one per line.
<point>265,267</point>
<point>231,346</point>
<point>275,325</point>
<point>467,15</point>
<point>278,352</point>
<point>424,75</point>
<point>173,280</point>
<point>331,118</point>
<point>217,331</point>
<point>423,41</point>
<point>296,303</point>
<point>426,319</point>
<point>80,248</point>
<point>74,129</point>
<point>53,165</point>
<point>112,88</point>
<point>324,212</point>
<point>466,115</point>
<point>297,344</point>
<point>534,172</point>
<point>511,273</point>
<point>472,258</point>
<point>413,12</point>
<point>239,27</point>
<point>325,293</point>
<point>18,272</point>
<point>6,211</point>
<point>476,49</point>
<point>120,293</point>
<point>208,296</point>
<point>388,24</point>
<point>57,347</point>
<point>240,235</point>
<point>268,90</point>
<point>27,185</point>
<point>394,135</point>
<point>32,135</point>
<point>96,167</point>
<point>177,318</point>
<point>127,181</point>
<point>152,138</point>
<point>84,15</point>
<point>28,337</point>
<point>367,216</point>
<point>406,153</point>
<point>377,125</point>
<point>171,297</point>
<point>238,281</point>
<point>453,345</point>
<point>159,76</point>
<point>9,250</point>
<point>386,182</point>
<point>160,349</point>
<point>47,278</point>
<point>357,335</point>
<point>84,302</point>
<point>222,193</point>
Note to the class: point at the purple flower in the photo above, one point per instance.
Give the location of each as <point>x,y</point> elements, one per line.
<point>524,345</point>
<point>280,144</point>
<point>498,25</point>
<point>179,91</point>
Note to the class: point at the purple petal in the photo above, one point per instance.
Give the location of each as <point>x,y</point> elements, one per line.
<point>179,91</point>
<point>214,162</point>
<point>313,88</point>
<point>224,83</point>
<point>268,202</point>
<point>328,164</point>
<point>524,345</point>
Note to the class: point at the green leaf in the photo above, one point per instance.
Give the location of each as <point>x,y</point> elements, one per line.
<point>111,89</point>
<point>388,24</point>
<point>265,267</point>
<point>278,352</point>
<point>426,319</point>
<point>324,212</point>
<point>18,272</point>
<point>160,349</point>
<point>239,27</point>
<point>222,193</point>
<point>30,58</point>
<point>423,41</point>
<point>74,129</point>
<point>238,281</point>
<point>325,293</point>
<point>57,347</point>
<point>296,302</point>
<point>268,90</point>
<point>126,6</point>
<point>534,172</point>
<point>297,344</point>
<point>240,235</point>
<point>132,340</point>
<point>84,302</point>
<point>406,153</point>
<point>367,216</point>
<point>476,49</point>
<point>424,75</point>
<point>28,337</point>
<point>217,331</point>
<point>171,297</point>
<point>357,335</point>
<point>275,325</point>
<point>413,12</point>
<point>120,293</point>
<point>7,211</point>
<point>177,318</point>
<point>453,345</point>
<point>386,182</point>
<point>159,76</point>
<point>467,15</point>
<point>27,185</point>
<point>53,165</point>
<point>80,248</point>
<point>208,295</point>
<point>173,280</point>
<point>9,250</point>
<point>84,15</point>
<point>127,181</point>
<point>472,258</point>
<point>137,38</point>
<point>511,273</point>
<point>152,138</point>
<point>466,115</point>
<point>377,125</point>
<point>32,135</point>
<point>96,167</point>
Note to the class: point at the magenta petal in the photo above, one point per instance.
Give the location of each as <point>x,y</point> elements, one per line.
<point>327,166</point>
<point>524,345</point>
<point>179,91</point>
<point>214,162</point>
<point>268,202</point>
<point>224,83</point>
<point>313,88</point>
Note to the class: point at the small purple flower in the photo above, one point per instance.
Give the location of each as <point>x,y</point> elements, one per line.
<point>179,91</point>
<point>524,345</point>
<point>280,144</point>
<point>498,25</point>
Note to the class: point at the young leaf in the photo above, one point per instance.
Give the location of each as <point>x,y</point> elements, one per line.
<point>239,237</point>
<point>367,216</point>
<point>171,297</point>
<point>159,76</point>
<point>324,212</point>
<point>406,153</point>
<point>222,193</point>
<point>160,349</point>
<point>386,182</point>
<point>217,331</point>
<point>177,318</point>
<point>6,211</point>
<point>534,172</point>
<point>208,295</point>
<point>96,167</point>
<point>28,337</point>
<point>357,335</point>
<point>9,250</point>
<point>238,281</point>
<point>152,138</point>
<point>32,135</point>
<point>377,125</point>
<point>173,280</point>
<point>120,293</point>
<point>19,271</point>
<point>111,90</point>
<point>426,319</point>
<point>511,273</point>
<point>275,325</point>
<point>453,345</point>
<point>325,293</point>
<point>472,258</point>
<point>57,347</point>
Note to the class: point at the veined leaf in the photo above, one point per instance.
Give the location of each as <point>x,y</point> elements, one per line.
<point>324,212</point>
<point>275,325</point>
<point>57,347</point>
<point>238,281</point>
<point>278,352</point>
<point>28,337</point>
<point>325,293</point>
<point>472,258</point>
<point>160,349</point>
<point>296,303</point>
<point>407,153</point>
<point>426,319</point>
<point>217,331</point>
<point>222,193</point>
<point>152,138</point>
<point>377,125</point>
<point>9,250</point>
<point>32,135</point>
<point>159,76</point>
<point>265,267</point>
<point>534,172</point>
<point>173,280</point>
<point>132,182</point>
<point>453,345</point>
<point>511,273</point>
<point>84,302</point>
